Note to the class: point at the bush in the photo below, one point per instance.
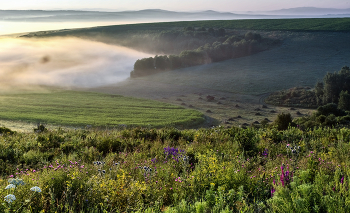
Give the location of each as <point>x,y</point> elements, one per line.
<point>330,108</point>
<point>283,121</point>
<point>4,130</point>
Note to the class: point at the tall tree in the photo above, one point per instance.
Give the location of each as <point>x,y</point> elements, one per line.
<point>319,93</point>
<point>331,88</point>
<point>344,100</point>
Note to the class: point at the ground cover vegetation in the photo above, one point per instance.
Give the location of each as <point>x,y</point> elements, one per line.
<point>79,109</point>
<point>170,170</point>
<point>294,97</point>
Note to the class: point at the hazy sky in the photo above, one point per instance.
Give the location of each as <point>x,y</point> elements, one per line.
<point>183,5</point>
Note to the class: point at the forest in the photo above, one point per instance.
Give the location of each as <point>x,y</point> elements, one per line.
<point>199,46</point>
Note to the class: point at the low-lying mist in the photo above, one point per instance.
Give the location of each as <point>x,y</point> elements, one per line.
<point>63,62</point>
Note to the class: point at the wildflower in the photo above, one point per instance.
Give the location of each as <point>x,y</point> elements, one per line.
<point>16,181</point>
<point>272,191</point>
<point>10,186</point>
<point>35,189</point>
<point>10,198</point>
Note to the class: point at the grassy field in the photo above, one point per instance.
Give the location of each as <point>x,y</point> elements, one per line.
<point>82,108</point>
<point>309,25</point>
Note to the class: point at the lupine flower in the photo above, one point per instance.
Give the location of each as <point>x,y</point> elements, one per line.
<point>272,191</point>
<point>265,153</point>
<point>10,186</point>
<point>35,189</point>
<point>10,198</point>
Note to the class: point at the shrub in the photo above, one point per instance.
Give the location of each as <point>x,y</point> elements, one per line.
<point>283,121</point>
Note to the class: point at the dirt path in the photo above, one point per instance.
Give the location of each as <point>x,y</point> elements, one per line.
<point>262,98</point>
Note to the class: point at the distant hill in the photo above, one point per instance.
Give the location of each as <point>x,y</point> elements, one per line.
<point>157,15</point>
<point>150,14</point>
<point>310,11</point>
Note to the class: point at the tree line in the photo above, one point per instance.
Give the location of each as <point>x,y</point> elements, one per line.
<point>335,88</point>
<point>224,48</point>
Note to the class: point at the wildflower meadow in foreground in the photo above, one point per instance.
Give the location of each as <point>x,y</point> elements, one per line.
<point>168,170</point>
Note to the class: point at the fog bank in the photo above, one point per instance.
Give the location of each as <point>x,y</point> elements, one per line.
<point>65,62</point>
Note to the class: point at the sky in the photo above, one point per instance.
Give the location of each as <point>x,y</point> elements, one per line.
<point>174,5</point>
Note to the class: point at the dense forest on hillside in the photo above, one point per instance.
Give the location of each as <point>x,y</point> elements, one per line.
<point>201,46</point>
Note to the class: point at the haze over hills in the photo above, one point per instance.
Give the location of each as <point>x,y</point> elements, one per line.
<point>157,15</point>
<point>312,11</point>
<point>142,15</point>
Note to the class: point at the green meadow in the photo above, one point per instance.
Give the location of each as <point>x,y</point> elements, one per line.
<point>310,25</point>
<point>82,108</point>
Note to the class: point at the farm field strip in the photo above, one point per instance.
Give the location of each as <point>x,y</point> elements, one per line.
<point>83,108</point>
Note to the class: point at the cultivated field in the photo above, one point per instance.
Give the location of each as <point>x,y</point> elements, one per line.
<point>79,109</point>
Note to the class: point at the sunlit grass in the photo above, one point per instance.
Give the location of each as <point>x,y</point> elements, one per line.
<point>82,108</point>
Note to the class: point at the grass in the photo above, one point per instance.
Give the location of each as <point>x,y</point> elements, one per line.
<point>300,25</point>
<point>206,170</point>
<point>83,108</point>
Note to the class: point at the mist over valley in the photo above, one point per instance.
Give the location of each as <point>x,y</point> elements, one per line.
<point>63,62</point>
